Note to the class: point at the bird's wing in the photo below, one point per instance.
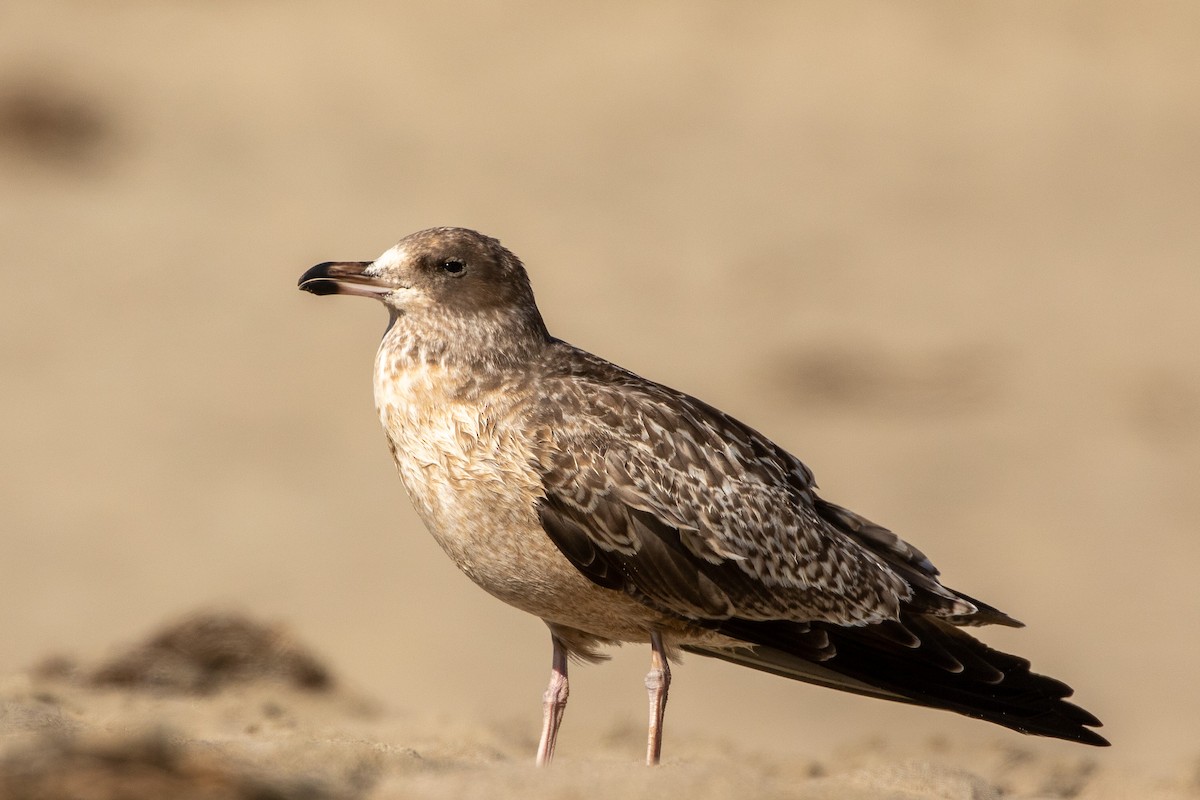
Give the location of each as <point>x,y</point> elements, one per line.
<point>651,491</point>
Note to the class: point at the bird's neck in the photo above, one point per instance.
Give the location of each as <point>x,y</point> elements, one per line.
<point>466,351</point>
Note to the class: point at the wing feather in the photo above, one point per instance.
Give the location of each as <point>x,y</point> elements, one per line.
<point>704,517</point>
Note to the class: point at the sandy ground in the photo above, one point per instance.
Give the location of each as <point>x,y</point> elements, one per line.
<point>217,705</point>
<point>947,253</point>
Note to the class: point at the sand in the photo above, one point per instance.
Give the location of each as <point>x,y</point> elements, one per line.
<point>945,253</point>
<point>219,705</point>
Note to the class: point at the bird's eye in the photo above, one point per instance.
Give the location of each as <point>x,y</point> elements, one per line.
<point>453,266</point>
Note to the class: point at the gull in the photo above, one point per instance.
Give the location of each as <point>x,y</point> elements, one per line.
<point>617,510</point>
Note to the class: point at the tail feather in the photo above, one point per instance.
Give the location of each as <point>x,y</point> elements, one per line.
<point>947,668</point>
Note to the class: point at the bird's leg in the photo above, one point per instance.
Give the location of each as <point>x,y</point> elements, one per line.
<point>554,702</point>
<point>658,680</point>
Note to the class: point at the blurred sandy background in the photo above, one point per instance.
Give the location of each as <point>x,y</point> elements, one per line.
<point>949,254</point>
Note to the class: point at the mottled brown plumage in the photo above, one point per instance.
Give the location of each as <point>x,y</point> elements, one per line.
<point>617,509</point>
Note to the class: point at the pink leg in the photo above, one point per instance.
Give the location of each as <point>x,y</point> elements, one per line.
<point>554,702</point>
<point>658,680</point>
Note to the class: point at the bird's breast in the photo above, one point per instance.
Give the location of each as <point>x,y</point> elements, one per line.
<point>455,457</point>
<point>466,467</point>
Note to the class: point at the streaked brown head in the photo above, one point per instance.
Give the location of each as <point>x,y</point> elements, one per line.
<point>441,283</point>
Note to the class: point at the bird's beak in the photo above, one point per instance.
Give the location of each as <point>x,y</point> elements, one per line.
<point>344,277</point>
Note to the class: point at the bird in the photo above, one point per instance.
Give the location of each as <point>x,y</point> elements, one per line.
<point>619,510</point>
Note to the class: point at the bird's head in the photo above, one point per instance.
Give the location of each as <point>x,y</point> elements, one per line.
<point>442,283</point>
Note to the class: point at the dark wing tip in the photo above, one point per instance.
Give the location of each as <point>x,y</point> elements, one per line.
<point>948,669</point>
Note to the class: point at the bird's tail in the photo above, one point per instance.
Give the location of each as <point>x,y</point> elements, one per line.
<point>921,660</point>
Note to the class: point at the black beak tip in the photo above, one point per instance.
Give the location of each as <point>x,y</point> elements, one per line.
<point>317,280</point>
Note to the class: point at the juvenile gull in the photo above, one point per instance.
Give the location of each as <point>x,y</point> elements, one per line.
<point>619,510</point>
